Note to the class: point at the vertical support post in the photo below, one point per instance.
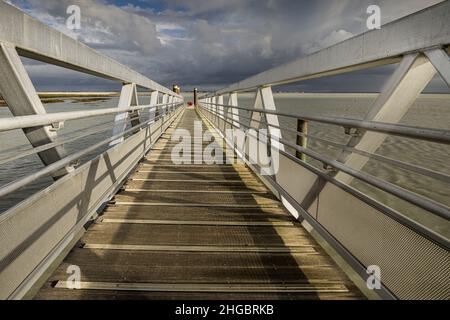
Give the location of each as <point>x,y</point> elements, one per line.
<point>234,135</point>
<point>135,115</point>
<point>22,99</point>
<point>219,101</point>
<point>165,100</point>
<point>195,97</point>
<point>255,117</point>
<point>398,95</point>
<point>275,135</point>
<point>272,119</point>
<point>153,102</point>
<point>302,141</point>
<point>214,108</point>
<point>170,106</point>
<point>264,100</point>
<point>220,111</point>
<point>158,109</point>
<point>233,101</point>
<point>128,97</point>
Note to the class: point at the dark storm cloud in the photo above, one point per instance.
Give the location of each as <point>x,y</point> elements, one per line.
<point>211,43</point>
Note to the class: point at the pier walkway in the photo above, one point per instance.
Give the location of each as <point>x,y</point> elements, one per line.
<point>197,232</point>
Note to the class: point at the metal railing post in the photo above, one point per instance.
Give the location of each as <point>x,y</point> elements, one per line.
<point>213,106</point>
<point>165,100</point>
<point>302,140</point>
<point>195,97</point>
<point>233,101</point>
<point>272,119</point>
<point>128,98</point>
<point>219,101</point>
<point>153,102</point>
<point>170,106</point>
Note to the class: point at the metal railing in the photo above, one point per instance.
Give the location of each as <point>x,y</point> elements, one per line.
<point>60,210</point>
<point>332,166</point>
<point>364,231</point>
<point>407,131</point>
<point>32,121</point>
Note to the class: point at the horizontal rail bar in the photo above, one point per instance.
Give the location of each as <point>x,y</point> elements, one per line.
<point>406,221</point>
<point>411,197</point>
<point>20,183</point>
<point>26,147</point>
<point>419,31</point>
<point>427,134</point>
<point>52,46</point>
<point>102,128</point>
<point>410,223</point>
<point>400,164</point>
<point>21,122</point>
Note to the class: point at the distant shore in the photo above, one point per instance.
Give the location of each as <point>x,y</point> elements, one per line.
<point>84,97</point>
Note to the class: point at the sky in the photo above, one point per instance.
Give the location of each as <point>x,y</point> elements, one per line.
<point>212,43</point>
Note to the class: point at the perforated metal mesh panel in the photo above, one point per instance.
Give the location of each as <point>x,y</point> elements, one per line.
<point>412,267</point>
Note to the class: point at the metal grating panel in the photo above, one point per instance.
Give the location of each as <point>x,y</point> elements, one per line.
<point>411,266</point>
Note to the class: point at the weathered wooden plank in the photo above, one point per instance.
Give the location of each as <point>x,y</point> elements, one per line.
<point>87,256</point>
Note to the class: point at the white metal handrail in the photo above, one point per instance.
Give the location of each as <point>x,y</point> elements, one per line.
<point>438,238</point>
<point>22,122</point>
<point>427,134</point>
<point>401,164</point>
<point>103,127</point>
<point>418,200</point>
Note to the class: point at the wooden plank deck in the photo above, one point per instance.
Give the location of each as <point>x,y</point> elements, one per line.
<point>197,232</point>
